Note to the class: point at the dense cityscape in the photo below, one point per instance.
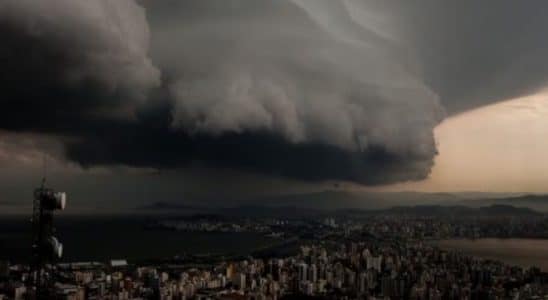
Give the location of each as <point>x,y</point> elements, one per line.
<point>384,256</point>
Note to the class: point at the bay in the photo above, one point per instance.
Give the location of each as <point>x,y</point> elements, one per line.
<point>103,238</point>
<point>519,252</point>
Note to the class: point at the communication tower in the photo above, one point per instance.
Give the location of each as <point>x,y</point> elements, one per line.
<point>46,248</point>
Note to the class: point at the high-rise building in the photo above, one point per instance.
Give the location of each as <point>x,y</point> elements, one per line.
<point>362,283</point>
<point>309,288</point>
<point>4,269</point>
<point>20,292</point>
<point>312,273</point>
<point>302,268</point>
<point>241,281</point>
<point>230,271</point>
<point>374,262</point>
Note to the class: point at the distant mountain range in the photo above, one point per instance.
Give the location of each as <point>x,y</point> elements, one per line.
<point>394,203</point>
<point>374,200</point>
<point>159,206</point>
<point>460,210</point>
<point>536,202</point>
<point>337,199</point>
<point>418,210</point>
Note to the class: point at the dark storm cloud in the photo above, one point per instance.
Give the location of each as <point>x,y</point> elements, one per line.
<point>263,152</point>
<point>63,63</point>
<point>153,142</point>
<point>308,89</point>
<point>285,91</point>
<point>242,66</point>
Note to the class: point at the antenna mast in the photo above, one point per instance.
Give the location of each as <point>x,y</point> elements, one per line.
<point>46,248</point>
<point>45,162</point>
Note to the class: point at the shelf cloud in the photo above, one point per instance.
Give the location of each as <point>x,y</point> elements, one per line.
<point>305,89</point>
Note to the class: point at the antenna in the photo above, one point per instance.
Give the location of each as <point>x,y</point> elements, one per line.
<point>46,248</point>
<point>45,161</point>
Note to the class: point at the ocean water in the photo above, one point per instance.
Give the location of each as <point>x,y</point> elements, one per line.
<point>104,238</point>
<point>519,252</point>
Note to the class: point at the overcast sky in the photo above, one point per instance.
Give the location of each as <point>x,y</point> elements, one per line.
<point>187,99</point>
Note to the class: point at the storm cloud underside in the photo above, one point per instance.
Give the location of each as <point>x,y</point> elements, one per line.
<point>346,90</point>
